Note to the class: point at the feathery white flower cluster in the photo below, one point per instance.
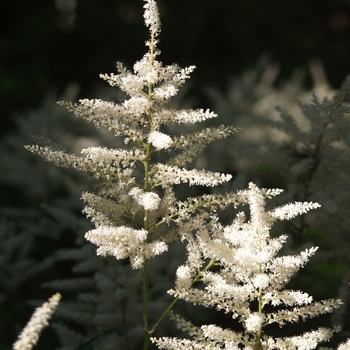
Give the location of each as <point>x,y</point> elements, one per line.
<point>159,140</point>
<point>251,277</point>
<point>170,175</point>
<point>149,200</point>
<point>151,16</point>
<point>125,242</point>
<point>128,208</point>
<point>39,320</point>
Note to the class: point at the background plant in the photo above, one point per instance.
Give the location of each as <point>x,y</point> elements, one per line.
<point>41,53</point>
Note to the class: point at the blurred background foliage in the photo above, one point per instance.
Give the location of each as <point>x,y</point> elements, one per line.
<point>49,43</point>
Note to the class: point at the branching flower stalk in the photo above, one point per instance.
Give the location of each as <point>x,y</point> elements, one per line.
<point>134,210</point>
<point>251,276</point>
<point>195,280</point>
<point>153,32</point>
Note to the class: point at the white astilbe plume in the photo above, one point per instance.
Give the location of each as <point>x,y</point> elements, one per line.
<point>136,215</point>
<point>169,175</point>
<point>254,322</point>
<point>131,181</point>
<point>251,276</point>
<point>39,320</point>
<point>134,209</point>
<point>124,242</point>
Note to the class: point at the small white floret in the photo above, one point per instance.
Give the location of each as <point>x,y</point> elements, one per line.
<point>149,200</point>
<point>261,281</point>
<point>159,140</point>
<point>254,322</point>
<point>183,277</point>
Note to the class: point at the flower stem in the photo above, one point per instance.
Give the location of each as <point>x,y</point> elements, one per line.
<point>260,309</point>
<point>146,164</point>
<point>145,309</point>
<point>168,309</point>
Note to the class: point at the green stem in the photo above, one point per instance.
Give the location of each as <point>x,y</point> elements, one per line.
<point>145,309</point>
<point>260,309</point>
<point>144,267</point>
<point>168,309</point>
<point>146,164</point>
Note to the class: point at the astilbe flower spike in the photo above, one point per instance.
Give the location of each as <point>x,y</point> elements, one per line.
<point>131,204</point>
<point>251,276</point>
<point>135,203</point>
<point>39,320</point>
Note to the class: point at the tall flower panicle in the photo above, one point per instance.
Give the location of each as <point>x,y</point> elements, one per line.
<point>135,203</point>
<point>39,320</point>
<point>250,282</point>
<point>131,180</point>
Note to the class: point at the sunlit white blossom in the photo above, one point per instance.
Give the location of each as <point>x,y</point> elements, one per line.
<point>149,200</point>
<point>253,322</point>
<point>116,241</point>
<point>193,116</point>
<point>169,175</point>
<point>252,273</point>
<point>344,346</point>
<point>290,211</point>
<point>137,105</point>
<point>159,140</point>
<point>155,248</point>
<point>165,91</point>
<point>260,281</point>
<point>183,277</point>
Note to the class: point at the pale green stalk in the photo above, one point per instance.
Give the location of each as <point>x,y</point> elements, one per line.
<point>146,227</point>
<point>260,309</point>
<point>168,309</point>
<point>146,224</point>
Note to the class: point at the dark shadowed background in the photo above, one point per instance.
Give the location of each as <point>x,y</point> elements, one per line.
<point>48,43</point>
